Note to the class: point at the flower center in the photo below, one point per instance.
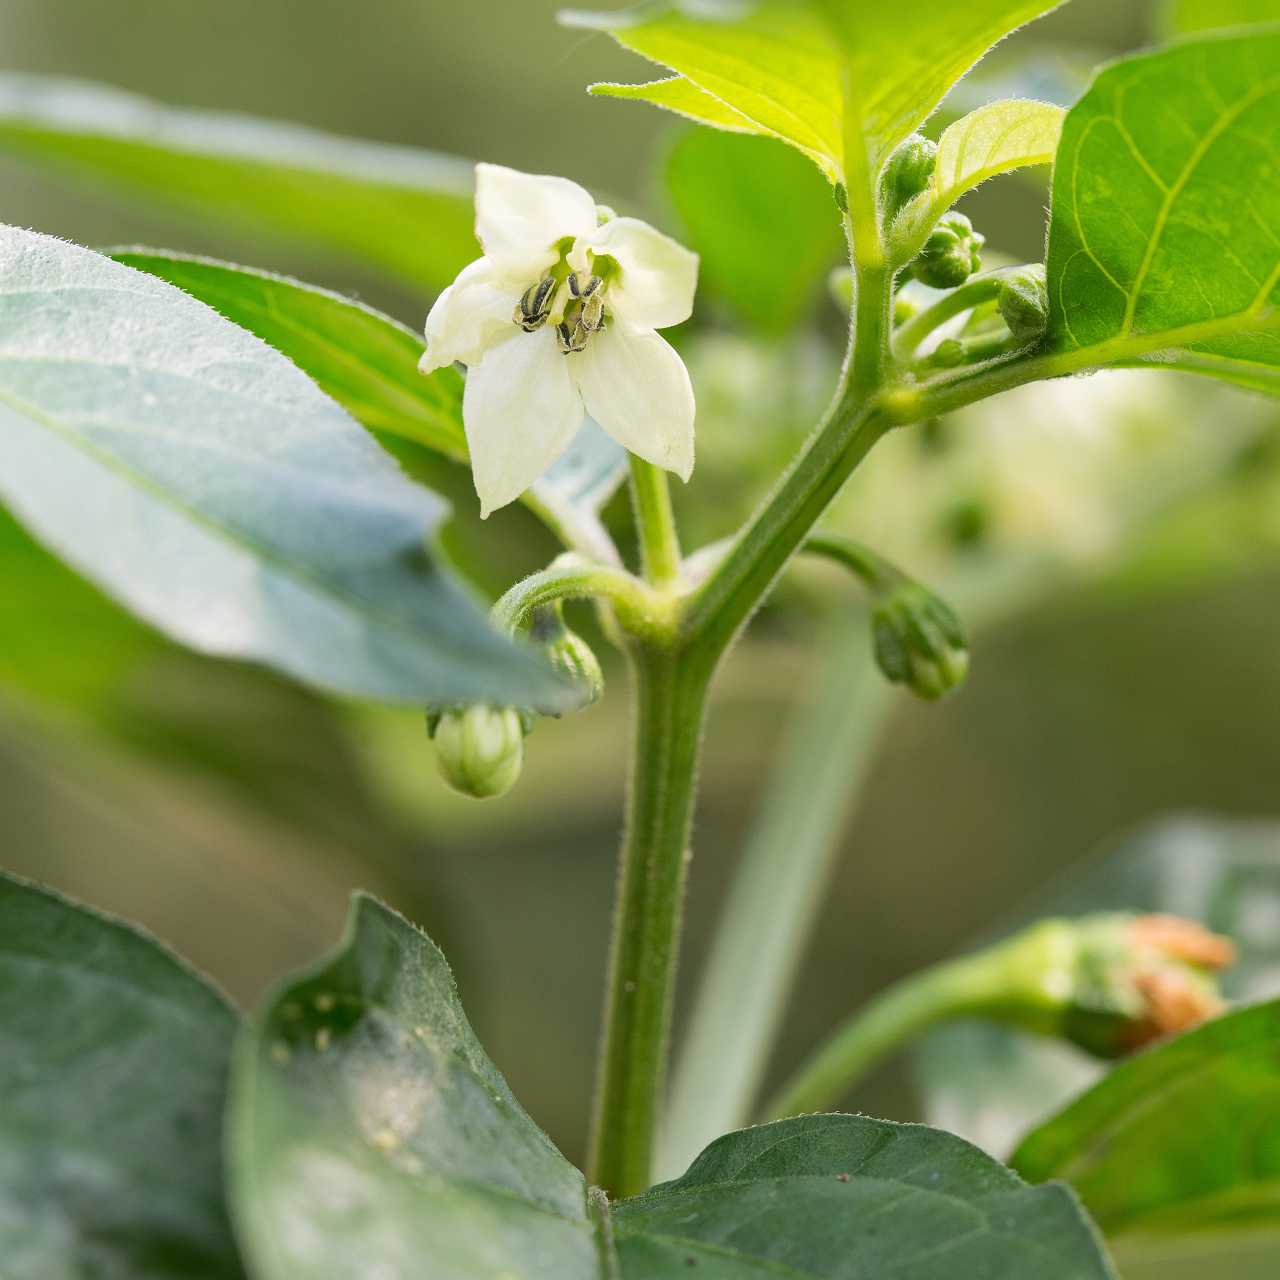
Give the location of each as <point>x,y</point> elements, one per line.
<point>584,314</point>
<point>576,313</point>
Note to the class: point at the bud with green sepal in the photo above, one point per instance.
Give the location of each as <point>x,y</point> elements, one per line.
<point>480,748</point>
<point>1109,984</point>
<point>909,171</point>
<point>952,253</point>
<point>567,651</point>
<point>1023,302</point>
<point>919,640</point>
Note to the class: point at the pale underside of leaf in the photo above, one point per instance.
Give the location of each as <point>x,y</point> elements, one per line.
<point>208,484</point>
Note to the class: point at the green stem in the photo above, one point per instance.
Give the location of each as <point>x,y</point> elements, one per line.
<point>971,985</point>
<point>850,430</point>
<point>874,571</point>
<point>655,522</point>
<point>776,895</point>
<point>571,577</point>
<point>969,295</point>
<point>670,698</point>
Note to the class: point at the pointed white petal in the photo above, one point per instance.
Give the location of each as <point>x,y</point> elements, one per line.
<point>520,216</point>
<point>637,388</point>
<point>658,276</point>
<point>473,313</point>
<point>521,410</point>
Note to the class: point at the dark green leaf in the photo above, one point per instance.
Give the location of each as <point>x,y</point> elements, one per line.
<point>1207,15</point>
<point>205,482</point>
<point>1163,246</point>
<point>762,221</point>
<point>113,1064</point>
<point>365,360</point>
<point>851,1198</point>
<point>1182,1139</point>
<point>370,1134</point>
<point>405,211</point>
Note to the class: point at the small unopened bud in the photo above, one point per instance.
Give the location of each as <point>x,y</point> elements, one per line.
<point>919,641</point>
<point>908,173</point>
<point>1023,301</point>
<point>952,253</point>
<point>480,748</point>
<point>570,653</point>
<point>840,287</point>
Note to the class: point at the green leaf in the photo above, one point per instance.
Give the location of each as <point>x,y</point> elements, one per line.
<point>998,138</point>
<point>1208,15</point>
<point>365,360</point>
<point>371,1135</point>
<point>405,211</point>
<point>202,480</point>
<point>1180,1140</point>
<point>1163,244</point>
<point>855,1199</point>
<point>817,72</point>
<point>113,1065</point>
<point>762,221</point>
<point>368,363</point>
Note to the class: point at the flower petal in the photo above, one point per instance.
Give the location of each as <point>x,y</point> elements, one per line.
<point>637,388</point>
<point>521,216</point>
<point>521,410</point>
<point>655,286</point>
<point>473,313</point>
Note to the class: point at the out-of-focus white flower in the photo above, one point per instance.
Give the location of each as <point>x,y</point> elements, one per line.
<point>559,319</point>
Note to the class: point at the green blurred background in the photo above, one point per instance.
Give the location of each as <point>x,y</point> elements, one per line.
<point>232,813</point>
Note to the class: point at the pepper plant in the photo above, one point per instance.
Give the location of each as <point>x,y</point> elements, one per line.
<point>239,458</point>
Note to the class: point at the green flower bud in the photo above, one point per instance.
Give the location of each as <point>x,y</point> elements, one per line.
<point>952,253</point>
<point>1023,301</point>
<point>1111,984</point>
<point>570,653</point>
<point>919,641</point>
<point>907,173</point>
<point>840,287</point>
<point>480,748</point>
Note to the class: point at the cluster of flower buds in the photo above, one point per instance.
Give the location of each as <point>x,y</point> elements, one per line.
<point>952,253</point>
<point>919,640</point>
<point>1111,984</point>
<point>480,747</point>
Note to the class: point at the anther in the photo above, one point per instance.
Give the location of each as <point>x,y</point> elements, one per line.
<point>534,308</point>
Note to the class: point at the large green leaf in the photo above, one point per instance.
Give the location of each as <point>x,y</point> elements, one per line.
<point>851,1198</point>
<point>201,479</point>
<point>1163,245</point>
<point>816,72</point>
<point>370,1135</point>
<point>1183,1139</point>
<point>405,211</point>
<point>113,1065</point>
<point>369,364</point>
<point>762,221</point>
<point>1208,15</point>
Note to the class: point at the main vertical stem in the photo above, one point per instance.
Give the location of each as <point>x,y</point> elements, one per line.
<point>670,698</point>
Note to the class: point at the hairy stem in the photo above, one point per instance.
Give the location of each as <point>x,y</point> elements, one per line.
<point>971,985</point>
<point>670,698</point>
<point>655,522</point>
<point>776,895</point>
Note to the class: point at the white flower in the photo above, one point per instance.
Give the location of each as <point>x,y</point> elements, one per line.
<point>557,320</point>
